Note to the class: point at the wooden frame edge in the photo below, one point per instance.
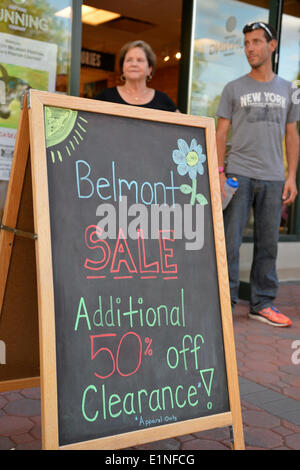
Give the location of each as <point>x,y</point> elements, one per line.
<point>121,441</point>
<point>19,384</point>
<point>226,312</point>
<point>97,106</point>
<point>49,407</point>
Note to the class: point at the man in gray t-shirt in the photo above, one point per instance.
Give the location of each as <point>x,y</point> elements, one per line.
<point>260,109</point>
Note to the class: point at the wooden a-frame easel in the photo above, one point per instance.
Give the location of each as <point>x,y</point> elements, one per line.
<point>19,282</point>
<point>18,285</point>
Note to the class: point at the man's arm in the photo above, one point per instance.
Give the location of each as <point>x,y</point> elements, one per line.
<point>292,154</point>
<point>221,139</point>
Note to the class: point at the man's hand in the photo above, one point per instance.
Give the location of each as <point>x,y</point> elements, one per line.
<point>289,191</point>
<point>292,155</point>
<point>222,182</point>
<point>221,138</point>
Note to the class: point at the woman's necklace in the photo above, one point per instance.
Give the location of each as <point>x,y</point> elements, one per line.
<point>134,96</point>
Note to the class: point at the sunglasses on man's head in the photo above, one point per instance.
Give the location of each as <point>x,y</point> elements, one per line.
<point>253,26</point>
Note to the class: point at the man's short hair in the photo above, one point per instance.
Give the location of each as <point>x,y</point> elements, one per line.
<point>270,32</point>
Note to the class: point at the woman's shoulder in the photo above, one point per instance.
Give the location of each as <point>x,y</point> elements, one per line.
<point>107,94</point>
<point>164,100</point>
<point>162,95</point>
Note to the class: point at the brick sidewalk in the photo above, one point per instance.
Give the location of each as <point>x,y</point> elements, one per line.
<point>269,388</point>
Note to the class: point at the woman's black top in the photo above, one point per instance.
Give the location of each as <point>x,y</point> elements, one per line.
<point>160,100</point>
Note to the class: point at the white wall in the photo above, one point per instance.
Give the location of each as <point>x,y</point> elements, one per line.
<point>288,261</point>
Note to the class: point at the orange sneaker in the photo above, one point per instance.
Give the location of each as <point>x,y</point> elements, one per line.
<point>272,316</point>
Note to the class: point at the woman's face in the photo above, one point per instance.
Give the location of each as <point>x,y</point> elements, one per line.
<point>135,65</point>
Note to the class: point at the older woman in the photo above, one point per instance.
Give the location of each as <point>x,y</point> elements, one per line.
<point>137,65</point>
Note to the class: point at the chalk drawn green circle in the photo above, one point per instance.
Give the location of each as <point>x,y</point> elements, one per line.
<point>209,405</point>
<point>192,158</point>
<point>59,123</point>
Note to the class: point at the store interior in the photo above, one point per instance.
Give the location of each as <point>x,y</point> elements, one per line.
<point>155,21</point>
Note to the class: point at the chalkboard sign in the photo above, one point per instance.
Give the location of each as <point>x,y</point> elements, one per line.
<point>135,322</point>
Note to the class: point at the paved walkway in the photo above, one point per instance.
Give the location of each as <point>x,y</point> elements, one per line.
<point>269,387</point>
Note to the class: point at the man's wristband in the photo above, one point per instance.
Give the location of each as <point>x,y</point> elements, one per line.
<point>221,169</point>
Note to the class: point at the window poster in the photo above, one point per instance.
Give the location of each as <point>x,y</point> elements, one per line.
<point>35,50</point>
<point>218,55</point>
<point>24,63</point>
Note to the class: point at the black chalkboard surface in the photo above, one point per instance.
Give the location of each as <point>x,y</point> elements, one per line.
<point>138,325</point>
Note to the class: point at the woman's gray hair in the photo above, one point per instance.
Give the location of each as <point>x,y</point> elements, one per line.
<point>151,57</point>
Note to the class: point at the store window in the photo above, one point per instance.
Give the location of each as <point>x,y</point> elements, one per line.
<point>35,51</point>
<point>288,68</point>
<point>218,55</point>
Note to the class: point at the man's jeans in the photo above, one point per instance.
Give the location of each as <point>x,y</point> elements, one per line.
<point>265,198</point>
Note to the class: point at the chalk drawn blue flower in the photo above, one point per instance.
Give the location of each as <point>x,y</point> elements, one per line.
<point>189,159</point>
